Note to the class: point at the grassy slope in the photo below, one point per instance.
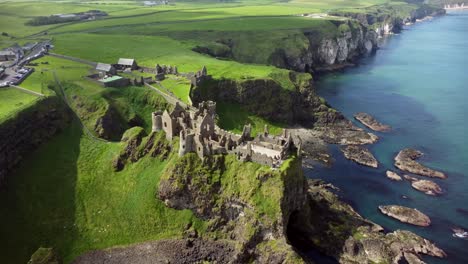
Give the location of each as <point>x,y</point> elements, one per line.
<point>233,117</point>
<point>12,101</point>
<point>94,207</point>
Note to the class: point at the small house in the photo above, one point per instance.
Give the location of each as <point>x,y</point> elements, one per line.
<point>7,55</point>
<point>105,68</point>
<point>123,64</point>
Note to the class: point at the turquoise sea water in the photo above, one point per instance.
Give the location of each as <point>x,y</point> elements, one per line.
<point>417,83</point>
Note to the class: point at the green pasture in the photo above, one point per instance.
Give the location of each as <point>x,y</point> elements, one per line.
<point>179,86</point>
<point>233,117</point>
<point>150,50</point>
<point>42,76</point>
<point>13,100</point>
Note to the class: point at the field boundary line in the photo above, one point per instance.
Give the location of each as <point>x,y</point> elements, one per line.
<point>75,59</point>
<point>27,90</point>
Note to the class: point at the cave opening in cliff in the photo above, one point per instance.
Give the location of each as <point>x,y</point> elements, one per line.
<point>298,238</point>
<point>307,68</point>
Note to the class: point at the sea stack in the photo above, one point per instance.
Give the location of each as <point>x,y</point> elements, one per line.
<point>427,187</point>
<point>360,155</point>
<point>406,161</point>
<point>370,122</point>
<point>405,214</point>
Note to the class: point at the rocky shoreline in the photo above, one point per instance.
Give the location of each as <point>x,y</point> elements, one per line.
<point>336,229</point>
<point>406,215</point>
<point>360,155</point>
<point>406,161</point>
<point>370,122</point>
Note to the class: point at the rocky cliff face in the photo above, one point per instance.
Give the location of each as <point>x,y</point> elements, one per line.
<point>30,128</point>
<point>337,230</point>
<point>314,50</point>
<point>268,99</point>
<point>242,201</point>
<point>264,97</point>
<point>355,38</point>
<point>352,41</point>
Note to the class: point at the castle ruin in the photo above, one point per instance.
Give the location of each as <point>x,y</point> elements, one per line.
<point>198,133</point>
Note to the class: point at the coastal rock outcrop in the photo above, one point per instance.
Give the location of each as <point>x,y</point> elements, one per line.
<point>406,161</point>
<point>370,122</point>
<point>393,176</point>
<point>335,229</point>
<point>219,189</point>
<point>427,187</point>
<point>405,214</point>
<point>360,155</point>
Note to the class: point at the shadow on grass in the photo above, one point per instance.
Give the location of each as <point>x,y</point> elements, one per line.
<point>38,206</point>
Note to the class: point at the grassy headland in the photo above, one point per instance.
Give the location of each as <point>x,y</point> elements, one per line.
<point>66,194</point>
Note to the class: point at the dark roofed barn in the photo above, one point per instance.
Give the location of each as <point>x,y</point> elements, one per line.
<point>127,63</point>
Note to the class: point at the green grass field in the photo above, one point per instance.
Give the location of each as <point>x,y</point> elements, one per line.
<point>67,195</point>
<point>12,101</point>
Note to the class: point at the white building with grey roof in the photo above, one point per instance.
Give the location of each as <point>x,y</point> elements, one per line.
<point>124,63</point>
<point>105,68</point>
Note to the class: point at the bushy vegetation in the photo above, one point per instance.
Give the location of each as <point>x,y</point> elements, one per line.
<point>49,20</point>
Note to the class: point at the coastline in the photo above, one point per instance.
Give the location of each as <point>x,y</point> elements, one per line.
<point>409,131</point>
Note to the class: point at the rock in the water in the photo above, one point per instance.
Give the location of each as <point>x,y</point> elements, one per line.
<point>370,122</point>
<point>427,187</point>
<point>393,176</point>
<point>406,161</point>
<point>406,215</point>
<point>360,155</point>
<point>412,258</point>
<point>335,229</point>
<point>410,178</point>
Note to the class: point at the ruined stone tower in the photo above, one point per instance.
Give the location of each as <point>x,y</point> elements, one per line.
<point>157,121</point>
<point>186,143</point>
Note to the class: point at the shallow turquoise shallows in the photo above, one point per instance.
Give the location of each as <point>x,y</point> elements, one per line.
<point>417,83</point>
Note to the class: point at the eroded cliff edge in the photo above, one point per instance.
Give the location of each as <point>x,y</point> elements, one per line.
<point>339,39</point>
<point>257,214</point>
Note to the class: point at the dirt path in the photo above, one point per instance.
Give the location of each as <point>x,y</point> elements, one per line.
<point>27,91</point>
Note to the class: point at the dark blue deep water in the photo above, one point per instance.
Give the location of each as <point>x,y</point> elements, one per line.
<point>417,83</point>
